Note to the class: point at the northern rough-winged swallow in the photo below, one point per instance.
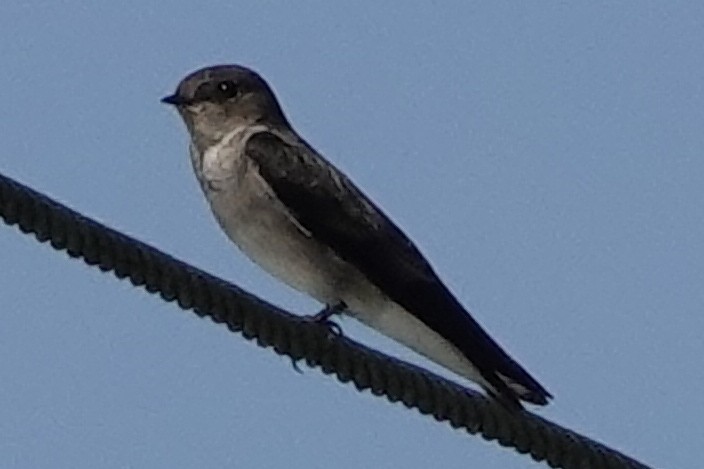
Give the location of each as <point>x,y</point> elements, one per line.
<point>303,221</point>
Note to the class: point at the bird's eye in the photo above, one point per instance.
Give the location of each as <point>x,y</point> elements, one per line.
<point>227,89</point>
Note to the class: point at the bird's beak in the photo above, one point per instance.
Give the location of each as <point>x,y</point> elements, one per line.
<point>174,100</point>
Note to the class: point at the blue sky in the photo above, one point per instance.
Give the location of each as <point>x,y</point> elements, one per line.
<point>547,158</point>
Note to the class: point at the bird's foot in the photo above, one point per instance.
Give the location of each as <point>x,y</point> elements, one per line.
<point>324,315</point>
<point>322,318</point>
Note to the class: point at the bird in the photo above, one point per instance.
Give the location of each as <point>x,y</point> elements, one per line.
<point>305,222</point>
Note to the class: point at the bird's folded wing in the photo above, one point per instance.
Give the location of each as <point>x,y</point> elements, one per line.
<point>337,213</point>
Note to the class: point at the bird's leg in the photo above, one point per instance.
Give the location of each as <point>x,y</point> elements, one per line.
<point>324,315</point>
<point>323,318</point>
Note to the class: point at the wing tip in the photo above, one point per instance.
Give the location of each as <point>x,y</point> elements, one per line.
<point>510,394</point>
<point>537,398</point>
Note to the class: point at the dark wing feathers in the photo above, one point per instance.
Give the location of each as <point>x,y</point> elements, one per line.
<point>330,206</point>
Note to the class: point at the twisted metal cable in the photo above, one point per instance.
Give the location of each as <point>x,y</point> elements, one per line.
<point>291,335</point>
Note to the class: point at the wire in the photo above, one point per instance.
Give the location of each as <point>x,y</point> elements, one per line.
<point>301,340</point>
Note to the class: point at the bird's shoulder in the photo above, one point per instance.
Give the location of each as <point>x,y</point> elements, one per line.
<point>308,182</point>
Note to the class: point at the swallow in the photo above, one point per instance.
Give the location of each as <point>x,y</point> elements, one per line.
<point>306,223</point>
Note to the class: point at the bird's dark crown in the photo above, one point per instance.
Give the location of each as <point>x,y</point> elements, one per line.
<point>217,84</point>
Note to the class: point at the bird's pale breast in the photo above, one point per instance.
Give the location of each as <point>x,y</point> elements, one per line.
<point>260,225</point>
